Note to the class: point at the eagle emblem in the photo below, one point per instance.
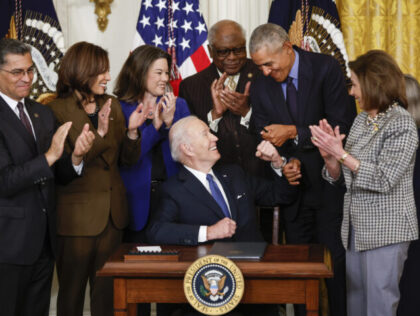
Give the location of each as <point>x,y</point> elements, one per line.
<point>214,285</point>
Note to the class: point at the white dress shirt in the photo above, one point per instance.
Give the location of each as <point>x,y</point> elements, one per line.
<point>201,176</point>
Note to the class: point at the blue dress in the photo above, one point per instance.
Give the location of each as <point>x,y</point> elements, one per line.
<point>137,178</point>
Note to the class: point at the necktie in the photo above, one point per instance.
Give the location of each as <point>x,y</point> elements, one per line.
<point>231,84</point>
<point>217,195</point>
<point>291,99</point>
<point>24,118</point>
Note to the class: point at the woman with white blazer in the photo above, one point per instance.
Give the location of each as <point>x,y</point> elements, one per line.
<point>376,165</point>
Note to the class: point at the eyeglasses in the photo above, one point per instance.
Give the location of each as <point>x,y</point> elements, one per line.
<point>19,73</point>
<point>226,52</point>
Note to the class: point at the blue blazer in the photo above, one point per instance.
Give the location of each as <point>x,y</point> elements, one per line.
<point>137,178</point>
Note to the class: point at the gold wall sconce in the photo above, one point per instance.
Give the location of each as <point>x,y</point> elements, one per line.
<point>102,10</point>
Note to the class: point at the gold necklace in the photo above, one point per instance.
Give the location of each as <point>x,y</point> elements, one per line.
<point>374,121</point>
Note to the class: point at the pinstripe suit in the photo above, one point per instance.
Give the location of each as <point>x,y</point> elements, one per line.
<point>379,201</point>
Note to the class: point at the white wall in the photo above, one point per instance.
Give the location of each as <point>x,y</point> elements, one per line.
<point>78,21</point>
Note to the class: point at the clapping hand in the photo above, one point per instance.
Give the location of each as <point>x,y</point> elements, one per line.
<point>83,144</point>
<point>103,118</point>
<point>136,119</point>
<point>216,88</point>
<point>236,102</point>
<point>57,143</point>
<point>168,105</point>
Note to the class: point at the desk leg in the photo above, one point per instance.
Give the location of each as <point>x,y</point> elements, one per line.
<point>312,297</point>
<point>120,297</point>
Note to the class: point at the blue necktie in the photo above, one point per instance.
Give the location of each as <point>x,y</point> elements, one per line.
<point>217,195</point>
<point>291,98</point>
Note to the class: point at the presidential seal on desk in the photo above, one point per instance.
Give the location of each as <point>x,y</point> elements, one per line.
<point>214,285</point>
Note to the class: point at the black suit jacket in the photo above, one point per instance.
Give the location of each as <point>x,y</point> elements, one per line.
<point>186,205</point>
<point>27,211</point>
<point>236,143</point>
<point>321,94</point>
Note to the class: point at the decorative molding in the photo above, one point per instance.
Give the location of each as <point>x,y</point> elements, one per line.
<point>102,10</point>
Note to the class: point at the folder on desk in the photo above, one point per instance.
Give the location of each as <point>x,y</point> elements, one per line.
<point>239,250</point>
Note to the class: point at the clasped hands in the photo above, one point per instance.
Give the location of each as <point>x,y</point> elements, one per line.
<point>225,99</point>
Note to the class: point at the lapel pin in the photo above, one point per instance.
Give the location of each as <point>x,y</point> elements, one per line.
<point>111,118</point>
<point>250,75</point>
<point>36,115</point>
<point>224,175</point>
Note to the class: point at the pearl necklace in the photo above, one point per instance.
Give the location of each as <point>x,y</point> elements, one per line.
<point>374,121</point>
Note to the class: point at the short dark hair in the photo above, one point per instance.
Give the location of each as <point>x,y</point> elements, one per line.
<point>381,80</point>
<point>131,81</point>
<point>12,46</point>
<point>79,68</point>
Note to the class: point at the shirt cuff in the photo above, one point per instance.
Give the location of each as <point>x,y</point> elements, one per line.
<point>78,169</point>
<point>213,124</point>
<point>202,234</point>
<point>245,119</point>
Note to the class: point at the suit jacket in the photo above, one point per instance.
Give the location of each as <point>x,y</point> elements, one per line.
<point>85,206</point>
<point>137,177</point>
<point>321,94</point>
<point>27,203</point>
<point>236,144</point>
<point>186,205</point>
<point>379,201</point>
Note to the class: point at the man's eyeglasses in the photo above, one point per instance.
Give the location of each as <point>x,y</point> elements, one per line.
<point>19,73</point>
<point>226,52</point>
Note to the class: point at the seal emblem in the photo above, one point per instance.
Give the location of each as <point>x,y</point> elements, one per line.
<point>213,285</point>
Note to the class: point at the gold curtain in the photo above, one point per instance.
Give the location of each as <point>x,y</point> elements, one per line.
<point>391,25</point>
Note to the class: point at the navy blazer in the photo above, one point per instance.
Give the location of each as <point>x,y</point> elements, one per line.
<point>186,205</point>
<point>137,177</point>
<point>27,201</point>
<point>321,94</point>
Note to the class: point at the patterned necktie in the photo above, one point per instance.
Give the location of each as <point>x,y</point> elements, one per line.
<point>217,195</point>
<point>231,84</point>
<point>291,99</point>
<point>24,119</point>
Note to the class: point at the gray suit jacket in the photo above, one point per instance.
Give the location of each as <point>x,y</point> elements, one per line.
<point>379,202</point>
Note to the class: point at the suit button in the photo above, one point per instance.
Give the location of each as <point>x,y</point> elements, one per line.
<point>44,210</point>
<point>237,145</point>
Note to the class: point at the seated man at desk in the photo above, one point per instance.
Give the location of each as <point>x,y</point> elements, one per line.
<point>202,203</point>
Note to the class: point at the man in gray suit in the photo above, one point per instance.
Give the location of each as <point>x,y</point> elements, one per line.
<point>30,161</point>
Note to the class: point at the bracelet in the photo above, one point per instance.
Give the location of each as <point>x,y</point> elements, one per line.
<point>343,157</point>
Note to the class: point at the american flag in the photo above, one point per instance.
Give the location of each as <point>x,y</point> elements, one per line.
<point>178,27</point>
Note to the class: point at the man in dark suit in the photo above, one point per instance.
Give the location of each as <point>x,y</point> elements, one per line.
<point>297,89</point>
<point>218,95</point>
<point>203,203</point>
<point>30,160</point>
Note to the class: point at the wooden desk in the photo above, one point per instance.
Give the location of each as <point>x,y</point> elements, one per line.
<point>286,274</point>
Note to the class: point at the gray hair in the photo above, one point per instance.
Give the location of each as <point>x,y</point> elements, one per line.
<point>412,89</point>
<point>12,46</point>
<point>216,28</point>
<point>269,35</point>
<point>178,135</point>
